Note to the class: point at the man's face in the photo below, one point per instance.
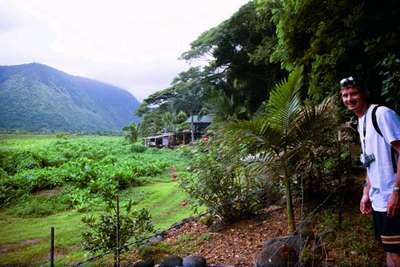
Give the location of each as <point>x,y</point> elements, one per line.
<point>353,98</point>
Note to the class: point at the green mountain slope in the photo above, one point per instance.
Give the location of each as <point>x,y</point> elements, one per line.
<point>36,97</point>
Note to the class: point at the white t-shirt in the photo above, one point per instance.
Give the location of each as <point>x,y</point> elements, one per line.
<point>380,171</point>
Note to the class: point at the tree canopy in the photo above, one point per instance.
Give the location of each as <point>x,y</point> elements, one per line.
<point>256,47</point>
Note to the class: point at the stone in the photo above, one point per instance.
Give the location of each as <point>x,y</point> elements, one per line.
<point>279,252</point>
<point>194,261</point>
<point>154,239</point>
<point>144,263</point>
<point>171,261</point>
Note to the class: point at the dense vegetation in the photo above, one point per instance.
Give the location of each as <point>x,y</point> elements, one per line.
<point>278,131</point>
<point>38,98</point>
<point>265,40</point>
<point>52,181</point>
<point>271,86</point>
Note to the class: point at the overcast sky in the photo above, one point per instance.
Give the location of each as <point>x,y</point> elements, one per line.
<point>128,43</point>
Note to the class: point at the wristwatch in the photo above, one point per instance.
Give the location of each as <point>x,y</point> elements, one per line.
<point>396,189</point>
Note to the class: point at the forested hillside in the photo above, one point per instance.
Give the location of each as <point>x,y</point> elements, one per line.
<point>38,98</point>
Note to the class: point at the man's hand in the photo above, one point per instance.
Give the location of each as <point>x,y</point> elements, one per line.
<point>393,205</point>
<point>365,205</point>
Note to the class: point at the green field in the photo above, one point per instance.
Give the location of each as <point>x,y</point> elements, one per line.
<point>52,181</point>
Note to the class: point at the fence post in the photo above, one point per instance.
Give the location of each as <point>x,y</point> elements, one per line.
<point>52,247</point>
<point>117,234</point>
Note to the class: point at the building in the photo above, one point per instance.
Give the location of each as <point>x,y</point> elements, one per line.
<point>200,123</point>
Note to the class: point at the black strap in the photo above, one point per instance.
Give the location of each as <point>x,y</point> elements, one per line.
<point>374,120</point>
<point>378,130</point>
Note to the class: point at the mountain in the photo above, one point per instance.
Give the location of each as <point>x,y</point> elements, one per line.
<point>39,98</point>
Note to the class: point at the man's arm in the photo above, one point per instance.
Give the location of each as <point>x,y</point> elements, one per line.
<point>394,203</point>
<point>365,203</point>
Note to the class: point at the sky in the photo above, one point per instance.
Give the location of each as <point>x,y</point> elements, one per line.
<point>132,44</point>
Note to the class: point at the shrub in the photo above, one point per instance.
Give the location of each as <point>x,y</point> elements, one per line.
<point>79,199</point>
<point>100,235</point>
<point>138,148</point>
<point>221,183</point>
<point>36,180</point>
<point>10,188</point>
<point>63,136</point>
<point>16,161</point>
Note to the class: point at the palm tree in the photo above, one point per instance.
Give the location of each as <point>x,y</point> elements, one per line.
<point>131,132</point>
<point>283,132</point>
<point>225,108</point>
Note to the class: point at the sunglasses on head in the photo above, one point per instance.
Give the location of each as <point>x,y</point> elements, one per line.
<point>349,81</point>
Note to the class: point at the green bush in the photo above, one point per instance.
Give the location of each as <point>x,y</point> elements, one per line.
<point>138,148</point>
<point>100,234</point>
<point>36,180</point>
<point>16,161</point>
<point>92,165</point>
<point>222,184</point>
<point>79,199</point>
<point>10,189</point>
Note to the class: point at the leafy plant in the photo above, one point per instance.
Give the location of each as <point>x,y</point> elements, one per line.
<point>285,132</point>
<point>131,132</point>
<point>138,148</point>
<point>100,234</point>
<point>219,181</point>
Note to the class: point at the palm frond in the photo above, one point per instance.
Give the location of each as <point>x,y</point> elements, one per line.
<point>284,102</point>
<point>256,132</point>
<point>314,120</point>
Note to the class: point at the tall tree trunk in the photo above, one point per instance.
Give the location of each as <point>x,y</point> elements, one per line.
<point>192,125</point>
<point>289,205</point>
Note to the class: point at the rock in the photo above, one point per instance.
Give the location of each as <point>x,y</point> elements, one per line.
<point>144,263</point>
<point>154,239</point>
<point>273,208</point>
<point>171,261</point>
<point>194,261</point>
<point>216,227</point>
<point>279,252</point>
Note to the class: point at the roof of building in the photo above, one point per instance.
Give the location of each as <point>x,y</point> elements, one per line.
<point>200,119</point>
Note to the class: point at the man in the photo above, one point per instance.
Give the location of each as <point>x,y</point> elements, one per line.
<point>379,129</point>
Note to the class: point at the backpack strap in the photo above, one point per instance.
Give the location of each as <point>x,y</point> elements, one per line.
<point>375,121</point>
<point>378,130</point>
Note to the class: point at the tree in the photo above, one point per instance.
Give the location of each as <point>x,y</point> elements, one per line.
<point>224,108</point>
<point>234,70</point>
<point>173,122</point>
<point>100,235</point>
<point>185,94</point>
<point>190,93</point>
<point>282,133</point>
<point>151,123</point>
<point>131,132</point>
<point>334,39</point>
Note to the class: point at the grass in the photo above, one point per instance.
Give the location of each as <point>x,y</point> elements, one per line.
<point>25,239</point>
<point>162,199</point>
<point>25,141</point>
<point>351,243</point>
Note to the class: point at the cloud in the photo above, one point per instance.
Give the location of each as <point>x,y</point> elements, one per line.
<point>130,43</point>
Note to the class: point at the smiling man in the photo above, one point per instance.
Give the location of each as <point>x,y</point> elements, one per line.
<point>379,130</point>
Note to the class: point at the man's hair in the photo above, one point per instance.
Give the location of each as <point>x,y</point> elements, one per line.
<point>351,81</point>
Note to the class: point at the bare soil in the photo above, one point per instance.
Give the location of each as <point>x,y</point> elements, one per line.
<point>236,244</point>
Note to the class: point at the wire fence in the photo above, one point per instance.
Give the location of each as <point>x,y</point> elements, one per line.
<point>120,248</point>
<point>124,248</point>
